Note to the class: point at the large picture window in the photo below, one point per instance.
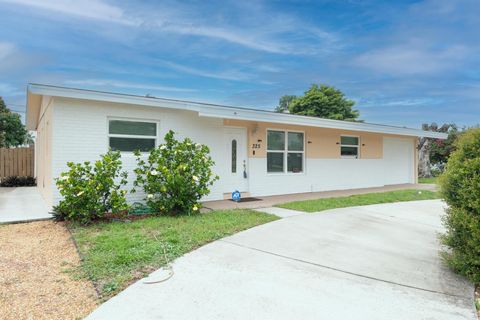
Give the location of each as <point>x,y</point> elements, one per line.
<point>130,136</point>
<point>285,151</point>
<point>349,147</point>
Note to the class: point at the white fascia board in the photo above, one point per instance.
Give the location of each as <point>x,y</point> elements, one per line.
<point>322,123</point>
<point>216,111</point>
<point>106,97</point>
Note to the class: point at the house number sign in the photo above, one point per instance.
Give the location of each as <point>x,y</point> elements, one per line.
<point>256,146</point>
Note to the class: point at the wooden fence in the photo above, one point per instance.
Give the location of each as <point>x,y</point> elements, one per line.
<point>17,162</point>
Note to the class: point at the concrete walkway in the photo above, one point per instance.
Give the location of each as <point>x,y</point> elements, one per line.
<point>281,212</point>
<point>371,262</point>
<point>271,201</point>
<point>21,205</point>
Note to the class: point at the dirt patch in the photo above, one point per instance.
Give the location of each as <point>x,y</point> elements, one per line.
<point>36,260</point>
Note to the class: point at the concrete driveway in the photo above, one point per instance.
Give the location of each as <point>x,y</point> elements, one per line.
<point>372,262</point>
<point>21,205</point>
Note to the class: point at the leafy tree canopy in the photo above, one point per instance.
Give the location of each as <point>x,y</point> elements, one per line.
<point>440,150</point>
<point>284,102</point>
<point>321,101</point>
<point>12,131</point>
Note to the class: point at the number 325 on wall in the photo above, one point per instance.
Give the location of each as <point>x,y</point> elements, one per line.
<point>256,146</point>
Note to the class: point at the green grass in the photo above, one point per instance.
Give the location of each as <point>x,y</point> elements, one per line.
<point>359,200</point>
<point>117,253</point>
<point>432,180</point>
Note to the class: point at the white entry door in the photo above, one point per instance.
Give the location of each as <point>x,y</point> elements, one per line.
<point>236,177</point>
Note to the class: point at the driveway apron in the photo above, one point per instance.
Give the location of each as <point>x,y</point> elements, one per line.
<point>371,262</point>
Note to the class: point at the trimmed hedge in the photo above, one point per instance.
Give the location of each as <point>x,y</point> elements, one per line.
<point>11,182</point>
<point>460,186</point>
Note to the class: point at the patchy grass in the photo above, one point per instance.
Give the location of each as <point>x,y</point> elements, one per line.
<point>432,180</point>
<point>359,200</point>
<point>117,253</point>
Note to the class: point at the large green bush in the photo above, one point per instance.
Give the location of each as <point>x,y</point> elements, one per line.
<point>460,186</point>
<point>175,176</point>
<point>89,191</point>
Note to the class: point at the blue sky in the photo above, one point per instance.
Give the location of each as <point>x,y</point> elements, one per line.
<point>403,62</point>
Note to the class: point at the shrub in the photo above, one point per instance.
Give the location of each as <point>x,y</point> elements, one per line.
<point>175,176</point>
<point>460,186</point>
<point>89,191</point>
<point>18,182</point>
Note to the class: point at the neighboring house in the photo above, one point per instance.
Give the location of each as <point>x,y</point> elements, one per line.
<point>256,152</point>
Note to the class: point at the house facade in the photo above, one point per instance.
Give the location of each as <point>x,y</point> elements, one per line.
<point>259,153</point>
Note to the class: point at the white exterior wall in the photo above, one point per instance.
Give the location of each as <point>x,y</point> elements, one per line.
<point>396,167</point>
<point>80,133</point>
<point>320,175</point>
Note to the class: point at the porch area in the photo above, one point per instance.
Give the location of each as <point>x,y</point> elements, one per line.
<point>269,201</point>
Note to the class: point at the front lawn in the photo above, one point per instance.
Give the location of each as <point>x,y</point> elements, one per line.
<point>359,200</point>
<point>117,253</point>
<point>432,180</point>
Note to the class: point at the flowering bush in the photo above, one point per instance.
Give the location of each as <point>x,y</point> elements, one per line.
<point>175,176</point>
<point>89,191</point>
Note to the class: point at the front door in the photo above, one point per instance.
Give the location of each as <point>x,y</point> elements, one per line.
<point>236,177</point>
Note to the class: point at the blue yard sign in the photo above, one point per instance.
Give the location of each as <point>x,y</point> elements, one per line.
<point>236,196</point>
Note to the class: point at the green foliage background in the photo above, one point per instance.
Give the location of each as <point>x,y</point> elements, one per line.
<point>12,131</point>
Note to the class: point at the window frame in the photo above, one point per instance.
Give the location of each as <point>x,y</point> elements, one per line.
<point>233,164</point>
<point>285,152</point>
<point>350,145</point>
<point>118,135</point>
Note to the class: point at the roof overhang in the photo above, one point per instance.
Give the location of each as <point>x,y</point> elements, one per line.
<point>36,91</point>
<point>34,104</point>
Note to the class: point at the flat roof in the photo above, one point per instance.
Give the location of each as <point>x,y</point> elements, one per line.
<point>36,91</point>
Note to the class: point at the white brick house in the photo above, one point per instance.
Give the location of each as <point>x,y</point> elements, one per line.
<point>257,152</point>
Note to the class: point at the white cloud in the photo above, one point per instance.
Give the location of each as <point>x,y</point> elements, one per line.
<point>407,102</point>
<point>122,84</point>
<point>280,34</point>
<point>233,36</point>
<point>6,49</point>
<point>411,59</point>
<point>226,75</point>
<point>90,9</point>
<point>9,90</point>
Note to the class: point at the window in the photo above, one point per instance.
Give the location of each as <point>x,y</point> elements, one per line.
<point>234,156</point>
<point>285,147</point>
<point>349,147</point>
<point>132,135</point>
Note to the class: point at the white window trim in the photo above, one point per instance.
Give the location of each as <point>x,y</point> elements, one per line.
<point>285,152</point>
<point>350,145</point>
<point>116,135</point>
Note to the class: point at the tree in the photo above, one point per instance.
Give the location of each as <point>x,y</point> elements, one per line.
<point>427,145</point>
<point>325,102</point>
<point>284,103</point>
<point>12,131</point>
<point>440,150</point>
